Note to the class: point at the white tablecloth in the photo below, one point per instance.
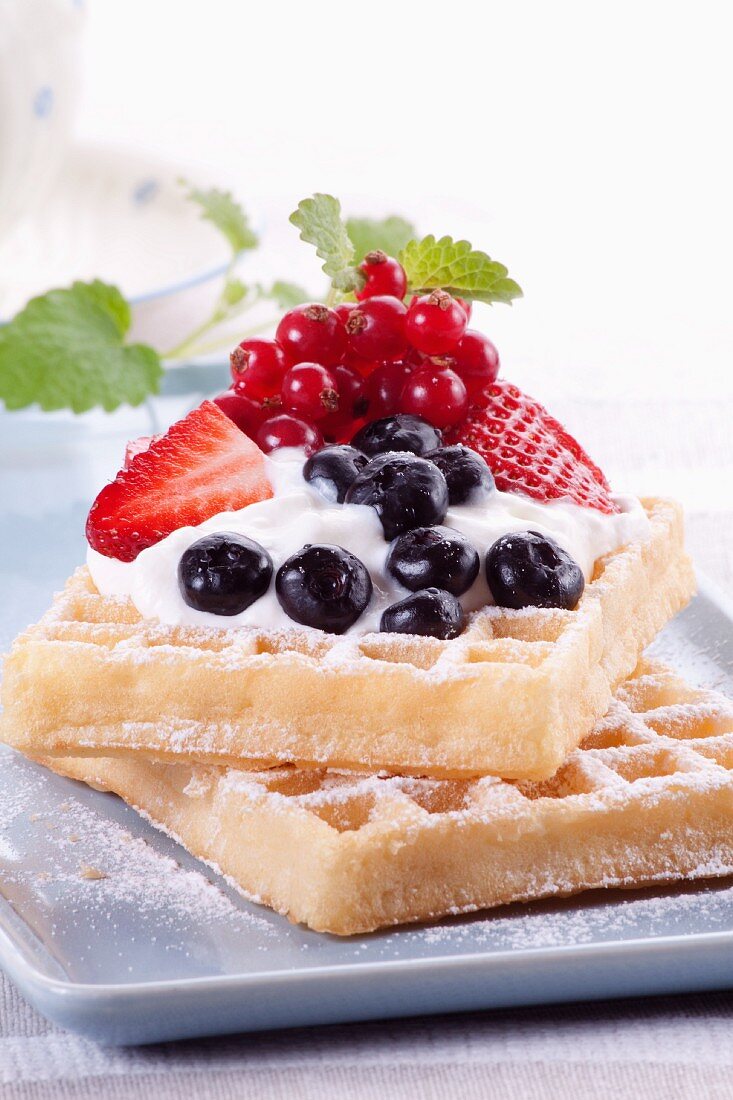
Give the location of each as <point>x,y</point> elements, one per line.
<point>626,1050</point>
<point>672,1047</point>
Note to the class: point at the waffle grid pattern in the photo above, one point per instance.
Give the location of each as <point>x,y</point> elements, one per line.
<point>647,798</point>
<point>81,615</point>
<point>658,727</point>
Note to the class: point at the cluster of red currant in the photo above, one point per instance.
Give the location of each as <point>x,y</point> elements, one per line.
<point>327,370</point>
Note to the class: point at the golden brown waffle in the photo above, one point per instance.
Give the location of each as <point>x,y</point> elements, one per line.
<point>512,696</point>
<point>647,798</point>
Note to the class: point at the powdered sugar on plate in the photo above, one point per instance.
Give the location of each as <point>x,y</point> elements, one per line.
<point>102,896</point>
<point>593,918</point>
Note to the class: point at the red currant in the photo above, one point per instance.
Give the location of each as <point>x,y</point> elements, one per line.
<point>258,367</point>
<point>243,411</point>
<point>384,275</point>
<point>351,385</point>
<point>435,323</point>
<point>309,390</point>
<point>376,328</point>
<point>476,361</point>
<point>312,333</point>
<point>467,307</point>
<point>465,303</point>
<point>288,431</point>
<point>353,403</point>
<point>436,394</point>
<point>342,311</point>
<point>384,388</point>
<point>415,358</point>
<point>364,367</point>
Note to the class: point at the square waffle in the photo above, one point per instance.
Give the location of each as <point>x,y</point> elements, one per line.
<point>647,798</point>
<point>511,697</point>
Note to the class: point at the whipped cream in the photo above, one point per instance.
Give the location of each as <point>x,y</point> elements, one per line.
<point>297,514</point>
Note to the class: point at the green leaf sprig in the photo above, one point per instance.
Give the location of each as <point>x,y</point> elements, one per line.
<point>388,235</point>
<point>225,213</point>
<point>458,268</point>
<point>319,221</point>
<point>429,263</point>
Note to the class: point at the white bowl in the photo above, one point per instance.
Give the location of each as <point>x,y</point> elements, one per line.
<point>122,218</point>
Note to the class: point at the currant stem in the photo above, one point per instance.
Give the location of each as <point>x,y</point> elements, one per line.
<point>192,349</point>
<point>186,345</point>
<point>222,312</point>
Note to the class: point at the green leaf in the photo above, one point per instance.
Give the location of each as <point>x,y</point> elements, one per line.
<point>109,300</point>
<point>458,268</point>
<point>389,235</point>
<point>223,211</point>
<point>233,292</point>
<point>286,295</point>
<point>319,221</point>
<point>66,350</point>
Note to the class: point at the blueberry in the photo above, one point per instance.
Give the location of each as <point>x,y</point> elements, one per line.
<point>224,573</point>
<point>332,470</point>
<point>431,612</point>
<point>434,557</point>
<point>531,570</point>
<point>323,586</point>
<point>402,432</point>
<point>405,491</point>
<point>468,476</point>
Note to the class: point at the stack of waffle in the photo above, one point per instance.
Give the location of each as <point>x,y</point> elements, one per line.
<point>353,783</point>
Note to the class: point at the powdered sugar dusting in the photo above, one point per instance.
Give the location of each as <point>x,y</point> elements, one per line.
<point>595,918</point>
<point>153,916</point>
<point>81,877</point>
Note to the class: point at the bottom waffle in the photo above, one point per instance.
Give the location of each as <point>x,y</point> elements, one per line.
<point>647,798</point>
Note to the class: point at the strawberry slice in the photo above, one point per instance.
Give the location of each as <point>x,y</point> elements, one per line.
<point>201,466</point>
<point>530,452</point>
<point>136,447</point>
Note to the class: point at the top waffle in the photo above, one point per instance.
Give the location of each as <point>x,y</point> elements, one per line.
<point>512,696</point>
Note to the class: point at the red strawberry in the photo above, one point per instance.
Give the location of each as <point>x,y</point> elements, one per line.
<point>136,447</point>
<point>201,466</point>
<point>530,452</point>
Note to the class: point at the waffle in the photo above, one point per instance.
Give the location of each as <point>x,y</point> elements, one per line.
<point>647,798</point>
<point>511,697</point>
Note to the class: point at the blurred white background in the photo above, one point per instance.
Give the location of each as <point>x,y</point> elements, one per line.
<point>586,146</point>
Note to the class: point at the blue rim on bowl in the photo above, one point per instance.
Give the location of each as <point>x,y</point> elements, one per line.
<point>188,284</point>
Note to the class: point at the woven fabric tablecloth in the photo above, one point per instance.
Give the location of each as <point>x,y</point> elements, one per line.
<point>679,1047</point>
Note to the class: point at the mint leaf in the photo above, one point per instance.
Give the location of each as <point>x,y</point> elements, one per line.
<point>109,300</point>
<point>66,350</point>
<point>223,211</point>
<point>389,235</point>
<point>319,221</point>
<point>233,292</point>
<point>458,268</point>
<point>286,295</point>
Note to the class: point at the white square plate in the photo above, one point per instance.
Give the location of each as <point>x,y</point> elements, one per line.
<point>161,948</point>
